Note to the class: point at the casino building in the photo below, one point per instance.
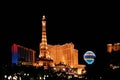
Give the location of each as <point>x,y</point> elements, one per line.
<point>22,55</point>
<point>57,56</point>
<point>51,55</point>
<point>114,55</point>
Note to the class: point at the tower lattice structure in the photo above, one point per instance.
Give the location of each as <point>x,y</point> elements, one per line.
<point>43,45</point>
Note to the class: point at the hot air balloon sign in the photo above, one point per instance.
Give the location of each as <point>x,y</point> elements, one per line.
<point>89,57</point>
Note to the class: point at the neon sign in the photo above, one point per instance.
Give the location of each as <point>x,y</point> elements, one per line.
<point>89,57</point>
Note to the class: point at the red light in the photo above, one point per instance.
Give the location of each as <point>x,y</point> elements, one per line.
<point>14,48</point>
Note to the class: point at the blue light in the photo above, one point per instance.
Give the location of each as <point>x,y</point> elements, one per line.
<point>89,57</point>
<point>14,54</point>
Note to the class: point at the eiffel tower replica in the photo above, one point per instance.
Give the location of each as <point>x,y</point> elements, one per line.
<point>44,57</point>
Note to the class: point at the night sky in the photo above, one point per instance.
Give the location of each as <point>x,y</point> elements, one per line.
<point>87,26</point>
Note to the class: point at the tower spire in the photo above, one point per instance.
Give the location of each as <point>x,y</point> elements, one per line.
<point>43,45</point>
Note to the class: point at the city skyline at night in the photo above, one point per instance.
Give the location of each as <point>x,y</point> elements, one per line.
<point>88,28</point>
<point>70,29</point>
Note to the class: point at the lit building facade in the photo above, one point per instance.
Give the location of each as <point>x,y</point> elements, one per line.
<point>22,55</point>
<point>59,53</point>
<point>64,53</point>
<point>67,55</point>
<point>55,54</point>
<point>114,56</point>
<point>113,47</point>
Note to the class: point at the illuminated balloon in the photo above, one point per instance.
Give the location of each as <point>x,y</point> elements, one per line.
<point>89,57</point>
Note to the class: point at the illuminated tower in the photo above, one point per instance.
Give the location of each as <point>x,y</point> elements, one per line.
<point>44,57</point>
<point>43,45</point>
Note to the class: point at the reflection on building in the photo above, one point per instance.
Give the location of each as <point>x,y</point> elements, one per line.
<point>22,55</point>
